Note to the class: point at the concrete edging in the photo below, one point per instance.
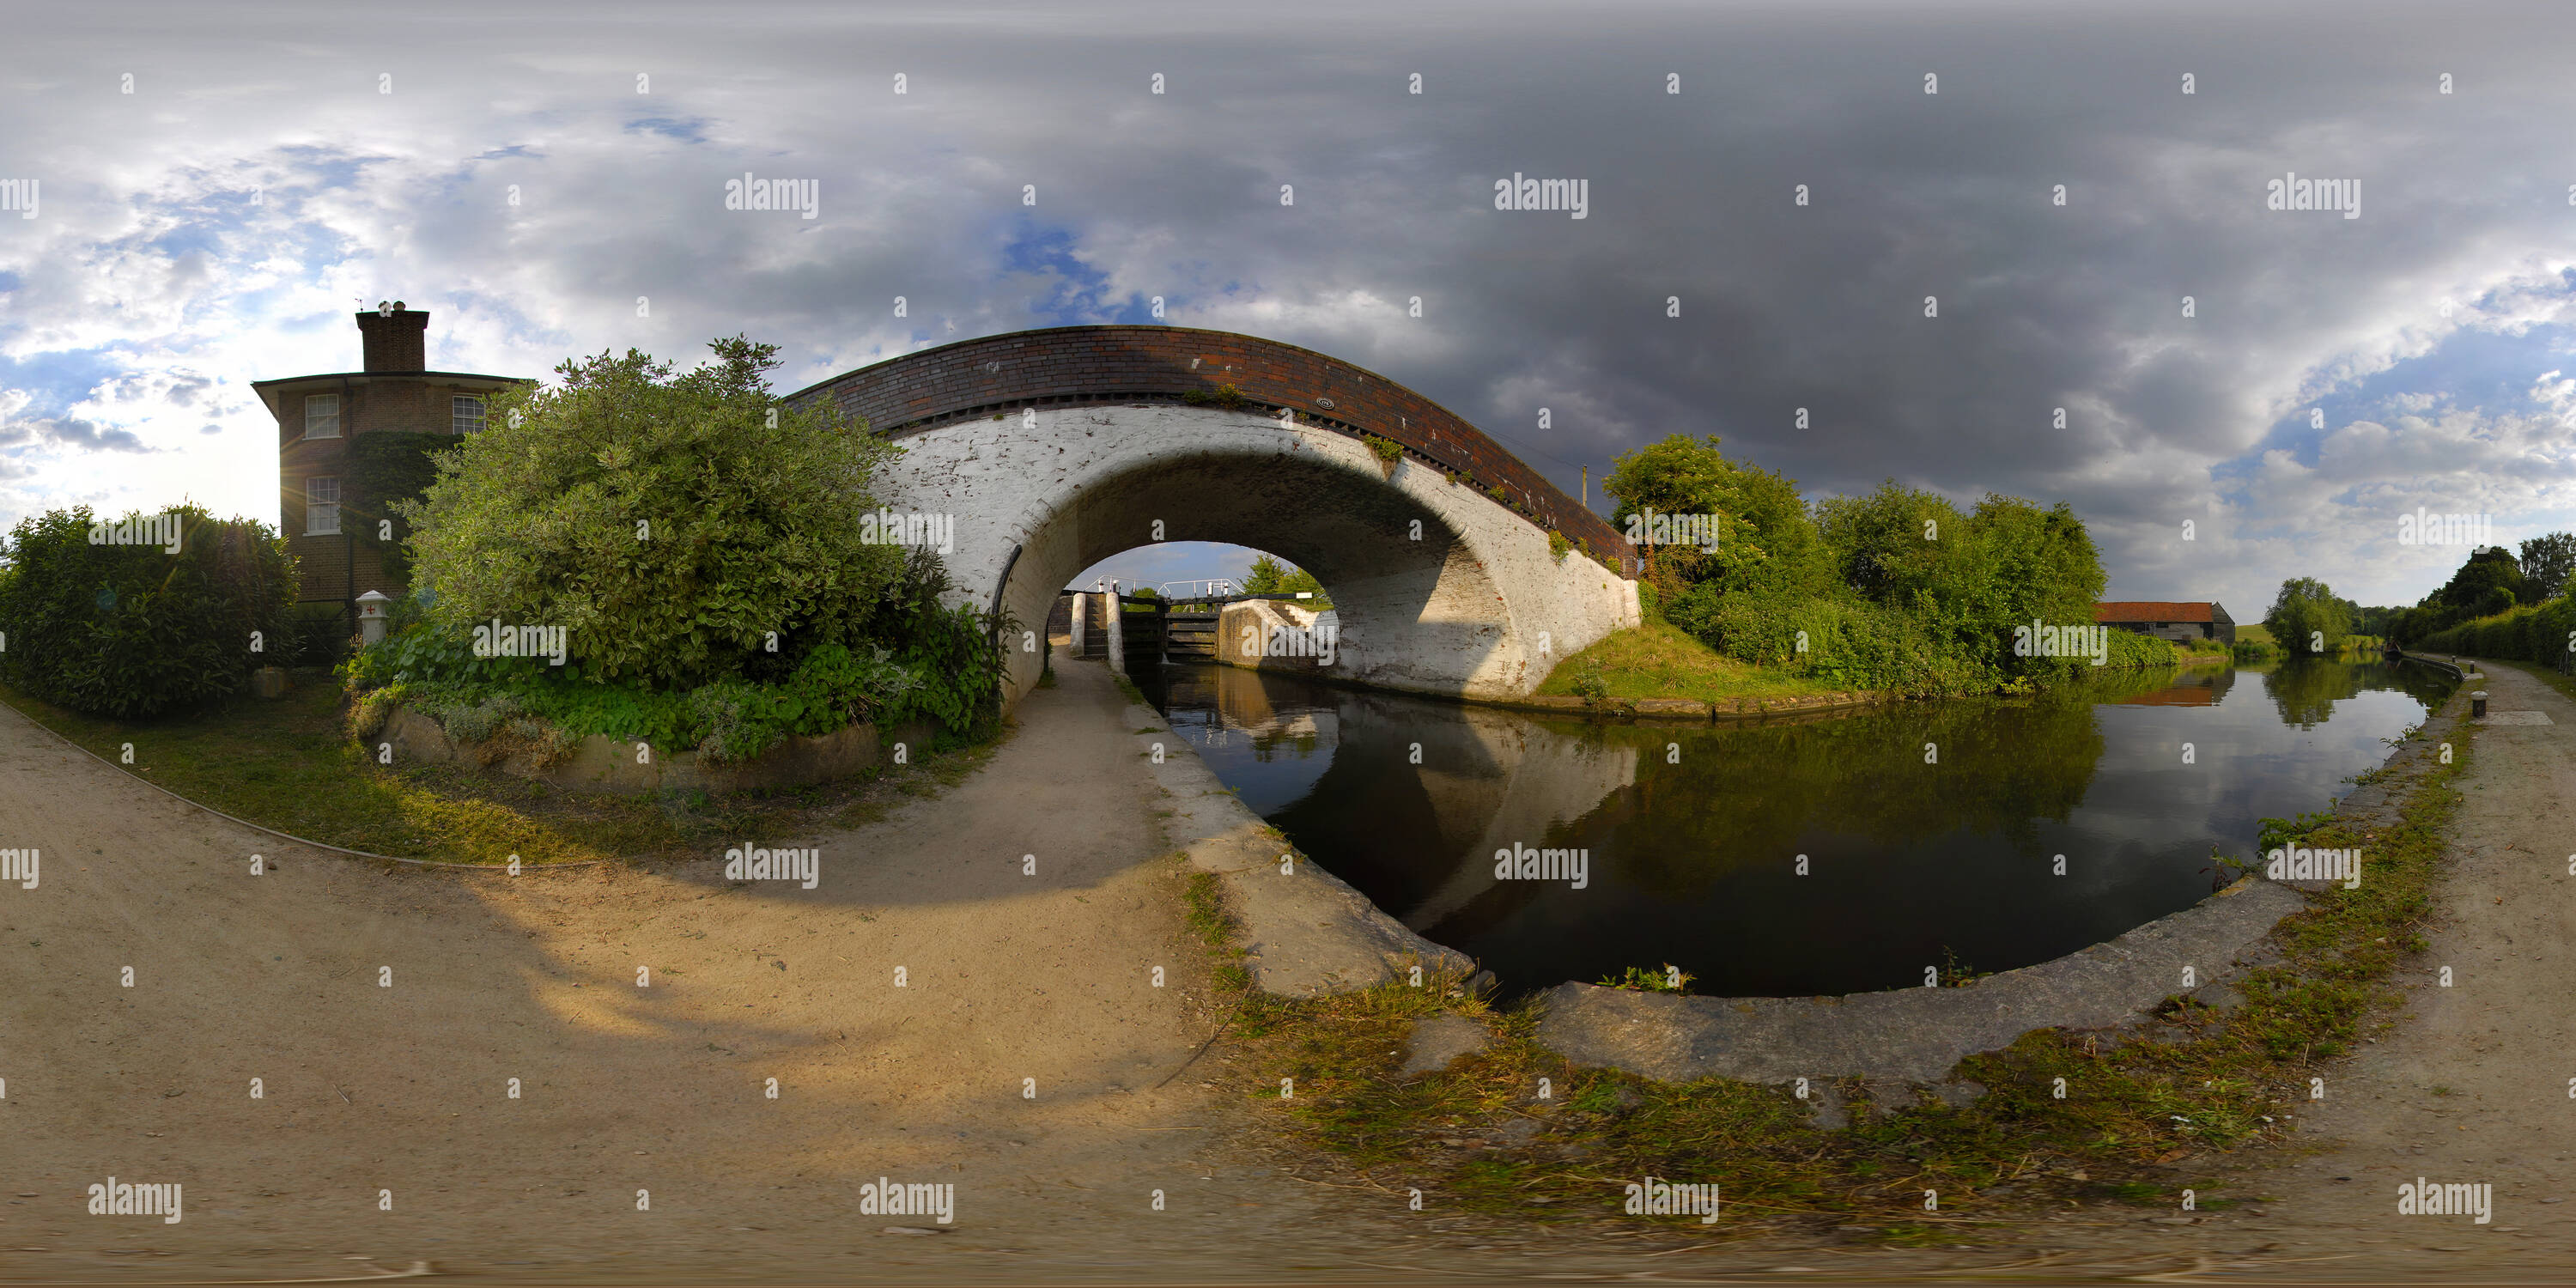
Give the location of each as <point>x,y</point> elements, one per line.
<point>1691,710</point>
<point>1305,932</point>
<point>1919,1035</point>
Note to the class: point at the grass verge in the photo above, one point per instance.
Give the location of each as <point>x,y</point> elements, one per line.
<point>288,764</point>
<point>2107,1118</point>
<point>1659,660</point>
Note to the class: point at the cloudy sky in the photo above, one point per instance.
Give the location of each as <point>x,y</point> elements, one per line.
<point>535,175</point>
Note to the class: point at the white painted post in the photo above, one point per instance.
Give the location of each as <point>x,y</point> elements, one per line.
<point>1081,608</point>
<point>1117,635</point>
<point>371,616</point>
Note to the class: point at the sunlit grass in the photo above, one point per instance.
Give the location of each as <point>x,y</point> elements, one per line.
<point>1659,660</point>
<point>288,764</point>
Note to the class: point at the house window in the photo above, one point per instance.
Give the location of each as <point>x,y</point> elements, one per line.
<point>321,507</point>
<point>321,415</point>
<point>467,415</point>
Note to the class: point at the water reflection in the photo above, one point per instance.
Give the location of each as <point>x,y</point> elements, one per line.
<point>1929,832</point>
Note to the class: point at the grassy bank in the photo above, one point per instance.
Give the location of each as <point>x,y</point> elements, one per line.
<point>1658,660</point>
<point>2145,1111</point>
<point>289,765</point>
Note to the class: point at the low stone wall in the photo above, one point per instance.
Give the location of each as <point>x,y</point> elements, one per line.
<point>599,763</point>
<point>1691,710</point>
<point>1259,616</point>
<point>2461,669</point>
<point>1305,931</point>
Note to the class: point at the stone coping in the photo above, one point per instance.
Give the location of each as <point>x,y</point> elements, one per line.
<point>1690,710</point>
<point>1305,932</point>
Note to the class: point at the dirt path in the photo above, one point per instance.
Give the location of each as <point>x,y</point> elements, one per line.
<point>2471,1085</point>
<point>1008,977</point>
<point>660,1088</point>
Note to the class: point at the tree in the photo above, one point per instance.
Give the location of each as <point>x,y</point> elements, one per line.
<point>2546,563</point>
<point>2306,618</point>
<point>2469,593</point>
<point>1271,577</point>
<point>668,524</point>
<point>1766,540</point>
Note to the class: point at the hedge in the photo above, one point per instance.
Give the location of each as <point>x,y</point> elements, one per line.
<point>132,629</point>
<point>2534,633</point>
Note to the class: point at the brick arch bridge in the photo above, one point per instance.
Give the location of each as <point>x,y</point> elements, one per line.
<point>1057,448</point>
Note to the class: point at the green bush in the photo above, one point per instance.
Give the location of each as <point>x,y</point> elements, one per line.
<point>369,711</point>
<point>669,524</point>
<point>945,667</point>
<point>131,630</point>
<point>2132,650</point>
<point>1840,639</point>
<point>2535,633</point>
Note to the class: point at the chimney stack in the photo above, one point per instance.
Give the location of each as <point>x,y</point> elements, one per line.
<point>396,338</point>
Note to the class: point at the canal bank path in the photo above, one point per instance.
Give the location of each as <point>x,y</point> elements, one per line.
<point>385,1011</point>
<point>2472,1084</point>
<point>1028,1060</point>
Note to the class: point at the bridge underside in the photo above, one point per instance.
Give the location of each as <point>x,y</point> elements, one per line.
<point>1439,589</point>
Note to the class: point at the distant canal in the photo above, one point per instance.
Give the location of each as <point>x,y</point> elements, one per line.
<point>1693,835</point>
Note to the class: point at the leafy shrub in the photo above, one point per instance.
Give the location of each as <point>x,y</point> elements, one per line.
<point>2536,633</point>
<point>369,710</point>
<point>2133,649</point>
<point>1591,683</point>
<point>947,669</point>
<point>1849,642</point>
<point>130,630</point>
<point>1387,449</point>
<point>669,524</point>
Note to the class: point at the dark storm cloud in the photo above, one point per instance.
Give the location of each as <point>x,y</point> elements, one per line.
<point>542,206</point>
<point>70,431</point>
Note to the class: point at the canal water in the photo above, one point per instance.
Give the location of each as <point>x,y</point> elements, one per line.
<point>1693,836</point>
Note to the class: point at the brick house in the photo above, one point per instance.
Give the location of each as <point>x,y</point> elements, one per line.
<point>2168,619</point>
<point>318,415</point>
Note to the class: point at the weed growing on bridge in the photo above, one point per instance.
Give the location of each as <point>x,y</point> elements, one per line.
<point>1226,396</point>
<point>2140,1103</point>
